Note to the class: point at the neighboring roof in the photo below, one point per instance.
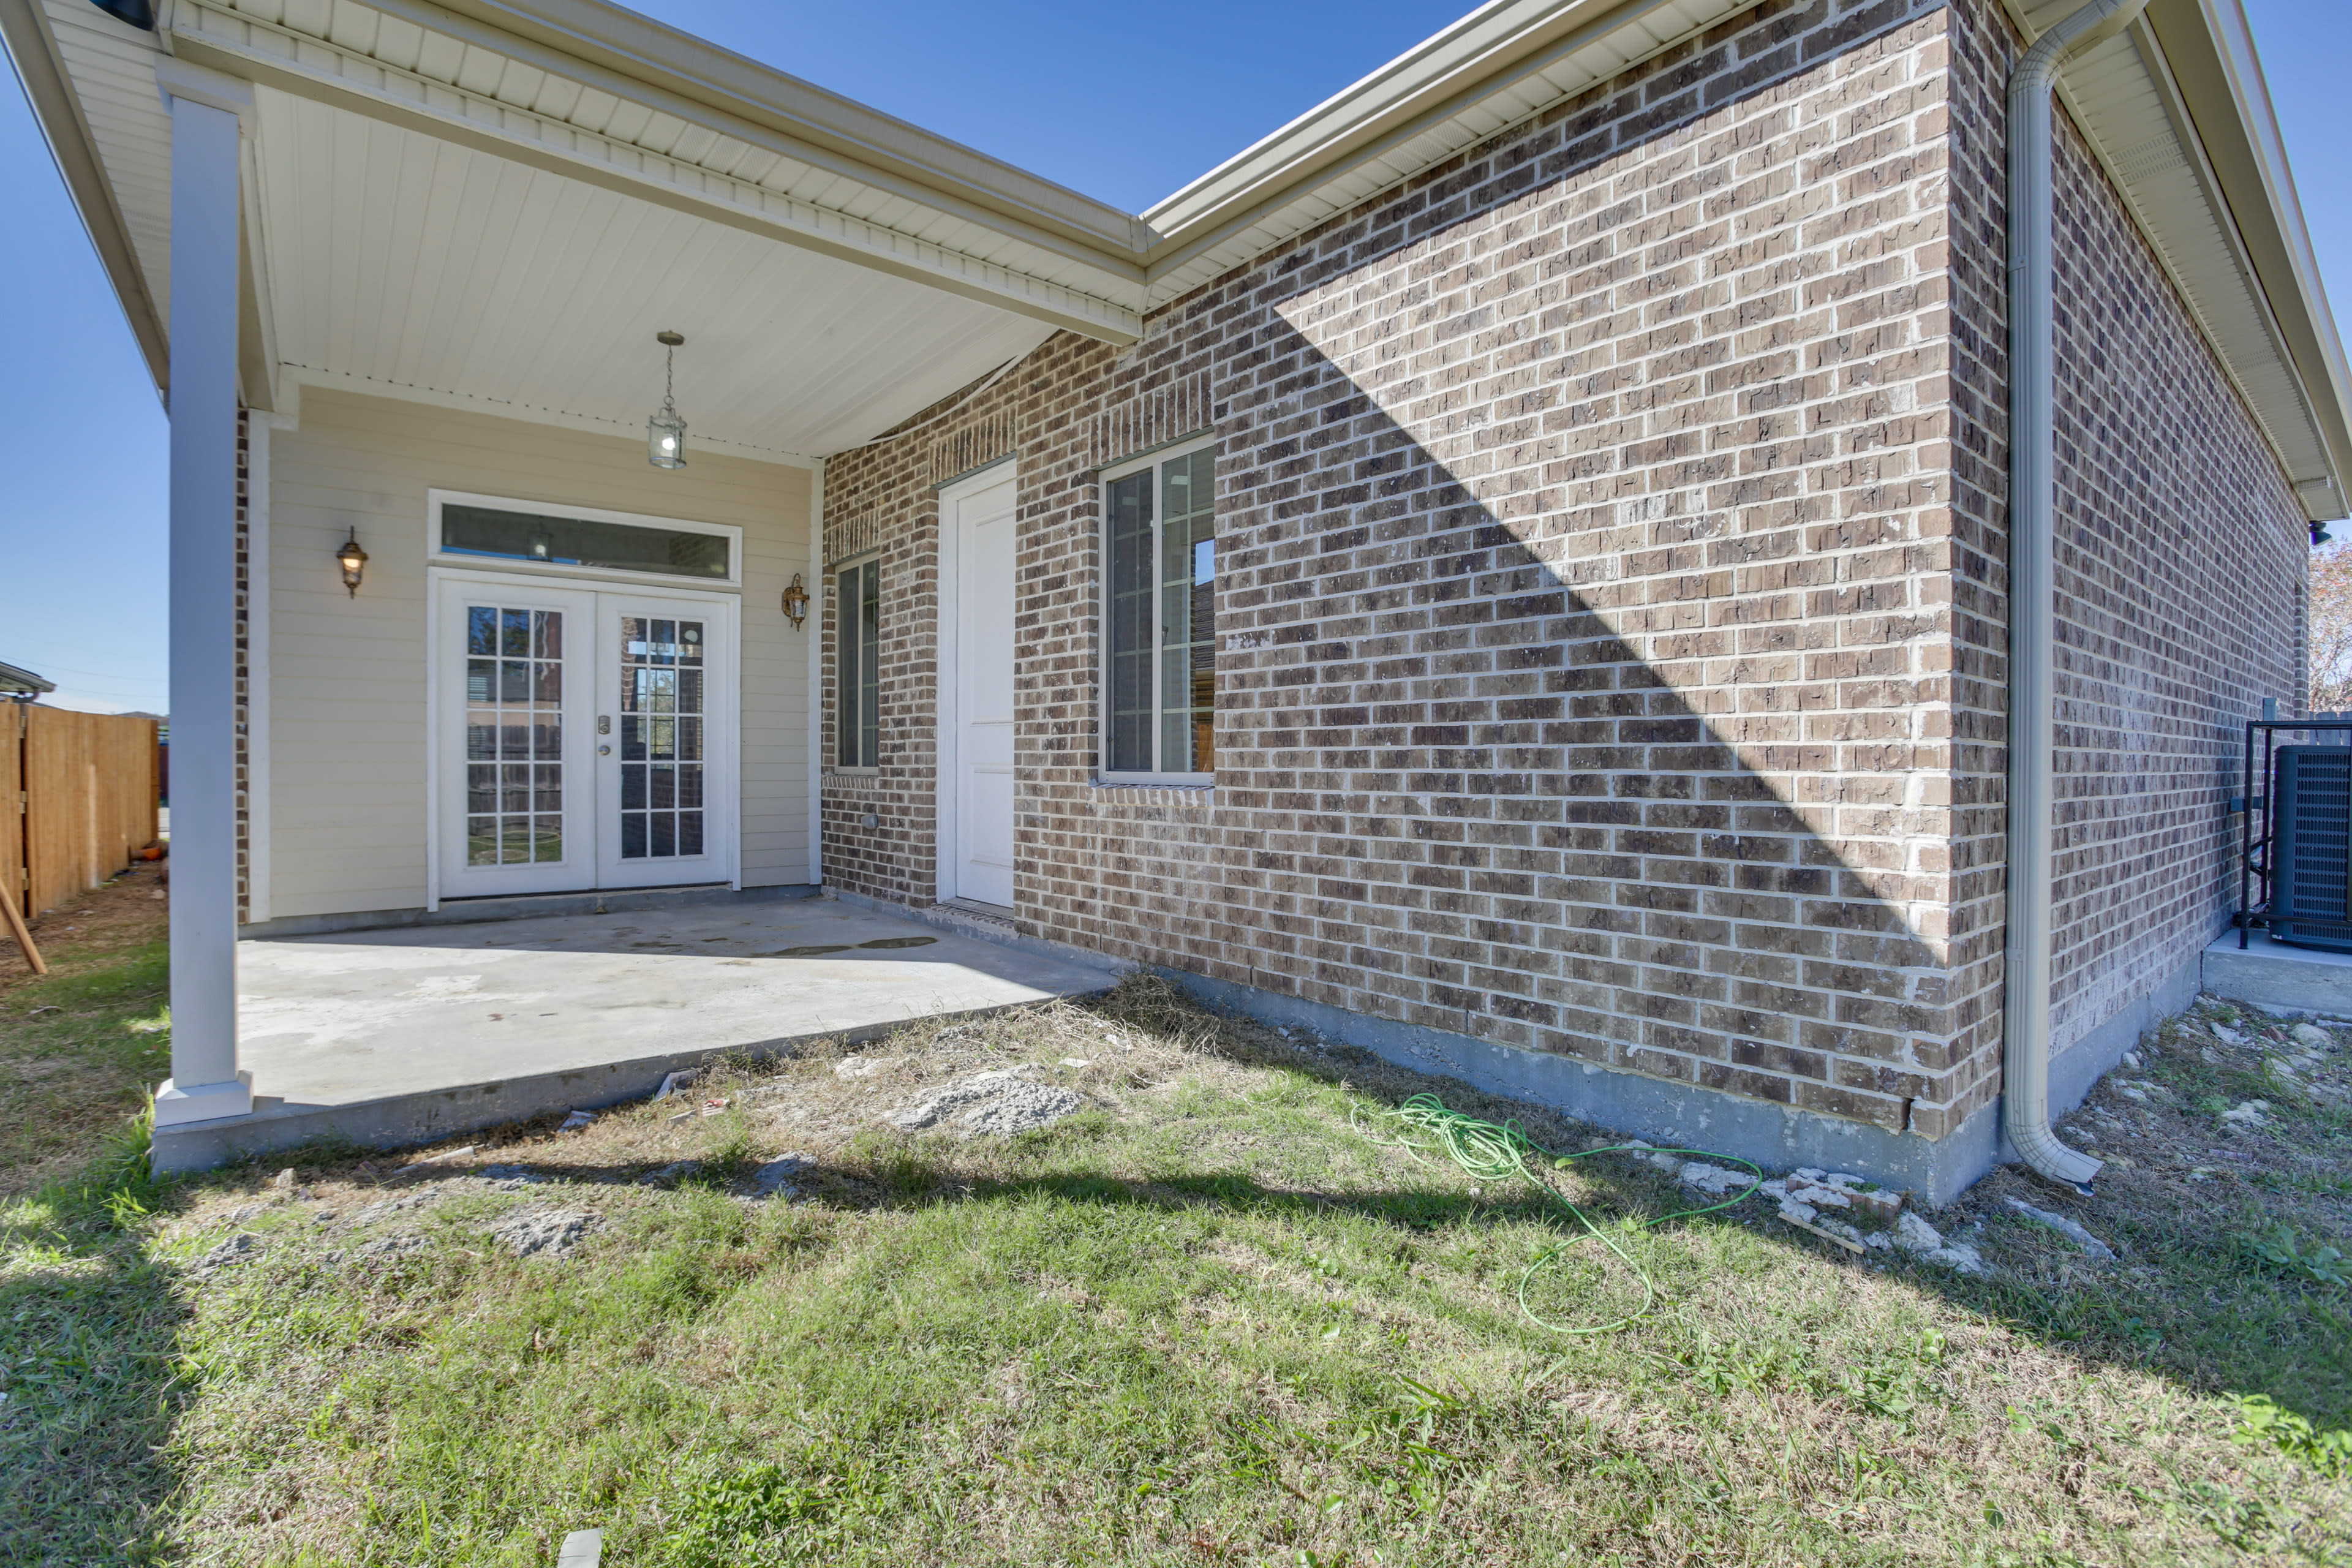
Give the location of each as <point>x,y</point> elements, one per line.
<point>15,679</point>
<point>598,95</point>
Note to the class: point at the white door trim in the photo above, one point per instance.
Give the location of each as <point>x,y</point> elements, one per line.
<point>727,703</point>
<point>946,720</point>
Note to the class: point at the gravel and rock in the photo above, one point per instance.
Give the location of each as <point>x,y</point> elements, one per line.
<point>1000,1102</point>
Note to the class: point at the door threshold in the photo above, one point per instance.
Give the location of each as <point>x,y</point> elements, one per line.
<point>530,906</point>
<point>584,892</point>
<point>987,912</point>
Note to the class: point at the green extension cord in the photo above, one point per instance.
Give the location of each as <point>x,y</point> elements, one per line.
<point>1490,1152</point>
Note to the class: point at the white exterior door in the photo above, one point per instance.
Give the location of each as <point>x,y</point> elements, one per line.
<point>513,685</point>
<point>665,743</point>
<point>976,815</point>
<point>586,737</point>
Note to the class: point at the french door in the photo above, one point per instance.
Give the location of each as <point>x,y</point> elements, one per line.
<point>586,737</point>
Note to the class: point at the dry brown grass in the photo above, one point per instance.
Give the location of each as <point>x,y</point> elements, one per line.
<point>78,1046</point>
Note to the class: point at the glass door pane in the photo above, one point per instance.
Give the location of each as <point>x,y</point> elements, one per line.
<point>514,778</point>
<point>514,736</point>
<point>662,740</point>
<point>666,782</point>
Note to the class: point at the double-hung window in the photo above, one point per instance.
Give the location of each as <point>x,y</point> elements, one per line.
<point>1159,674</point>
<point>857,665</point>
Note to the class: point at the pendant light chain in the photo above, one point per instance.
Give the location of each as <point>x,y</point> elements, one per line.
<point>665,432</point>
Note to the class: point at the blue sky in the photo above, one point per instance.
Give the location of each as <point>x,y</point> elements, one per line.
<point>1108,99</point>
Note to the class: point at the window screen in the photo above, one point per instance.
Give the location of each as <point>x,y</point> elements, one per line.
<point>858,666</point>
<point>1161,616</point>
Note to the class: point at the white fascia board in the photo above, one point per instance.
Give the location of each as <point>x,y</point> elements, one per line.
<point>310,68</point>
<point>2270,215</point>
<point>639,59</point>
<point>57,109</point>
<point>1500,46</point>
<point>2212,80</point>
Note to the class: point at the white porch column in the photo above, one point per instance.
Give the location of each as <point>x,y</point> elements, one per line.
<point>206,225</point>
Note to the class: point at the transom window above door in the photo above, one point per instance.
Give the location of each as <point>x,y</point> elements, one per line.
<point>580,541</point>
<point>1160,661</point>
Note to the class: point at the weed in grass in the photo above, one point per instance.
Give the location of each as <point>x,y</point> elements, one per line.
<point>2288,1253</point>
<point>2262,1422</point>
<point>803,1510</point>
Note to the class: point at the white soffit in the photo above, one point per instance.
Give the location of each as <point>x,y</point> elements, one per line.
<point>405,264</point>
<point>361,58</point>
<point>2207,222</point>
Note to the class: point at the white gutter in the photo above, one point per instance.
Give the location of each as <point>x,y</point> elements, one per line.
<point>2033,606</point>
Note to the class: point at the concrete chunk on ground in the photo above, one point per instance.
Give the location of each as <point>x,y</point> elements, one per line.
<point>1713,1180</point>
<point>2066,1228</point>
<point>774,1178</point>
<point>1843,1190</point>
<point>242,1248</point>
<point>1923,1241</point>
<point>542,1231</point>
<point>1001,1102</point>
<point>864,1067</point>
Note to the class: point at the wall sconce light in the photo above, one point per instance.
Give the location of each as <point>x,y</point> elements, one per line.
<point>353,560</point>
<point>665,432</point>
<point>796,602</point>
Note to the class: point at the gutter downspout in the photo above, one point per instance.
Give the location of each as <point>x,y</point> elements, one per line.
<point>2033,572</point>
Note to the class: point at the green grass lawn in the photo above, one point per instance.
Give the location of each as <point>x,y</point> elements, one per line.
<point>1213,1320</point>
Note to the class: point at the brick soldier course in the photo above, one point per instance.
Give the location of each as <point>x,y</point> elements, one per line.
<point>1610,609</point>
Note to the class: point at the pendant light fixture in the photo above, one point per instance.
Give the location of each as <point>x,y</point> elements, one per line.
<point>665,432</point>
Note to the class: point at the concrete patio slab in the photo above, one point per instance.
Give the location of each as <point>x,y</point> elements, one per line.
<point>405,1035</point>
<point>2279,974</point>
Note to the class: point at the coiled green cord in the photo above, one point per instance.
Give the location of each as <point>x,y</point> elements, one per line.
<point>1492,1151</point>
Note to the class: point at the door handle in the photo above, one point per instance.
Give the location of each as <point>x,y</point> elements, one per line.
<point>603,750</point>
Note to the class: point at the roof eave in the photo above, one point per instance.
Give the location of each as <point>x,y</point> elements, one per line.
<point>2220,80</point>
<point>33,53</point>
<point>692,68</point>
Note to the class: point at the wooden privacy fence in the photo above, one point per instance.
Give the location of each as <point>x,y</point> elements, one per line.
<point>79,793</point>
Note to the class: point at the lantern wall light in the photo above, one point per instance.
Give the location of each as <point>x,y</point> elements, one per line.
<point>796,602</point>
<point>665,432</point>
<point>353,560</point>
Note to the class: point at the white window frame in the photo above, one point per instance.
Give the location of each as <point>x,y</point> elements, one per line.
<point>831,578</point>
<point>434,554</point>
<point>1153,459</point>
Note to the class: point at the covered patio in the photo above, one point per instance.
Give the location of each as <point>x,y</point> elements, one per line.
<point>409,279</point>
<point>389,1037</point>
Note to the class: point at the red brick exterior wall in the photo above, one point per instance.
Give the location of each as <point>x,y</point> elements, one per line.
<point>1595,610</point>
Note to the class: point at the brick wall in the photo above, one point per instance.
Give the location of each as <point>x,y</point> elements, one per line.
<point>2181,571</point>
<point>1588,560</point>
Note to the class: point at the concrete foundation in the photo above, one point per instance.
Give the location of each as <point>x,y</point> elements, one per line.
<point>412,1035</point>
<point>1680,1115</point>
<point>2273,975</point>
